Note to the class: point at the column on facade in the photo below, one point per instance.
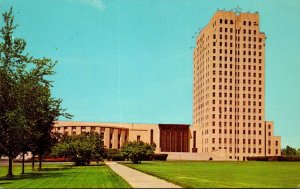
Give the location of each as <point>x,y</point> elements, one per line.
<point>122,139</point>
<point>88,129</point>
<point>115,139</point>
<point>78,130</point>
<point>97,130</point>
<point>106,136</point>
<point>69,130</point>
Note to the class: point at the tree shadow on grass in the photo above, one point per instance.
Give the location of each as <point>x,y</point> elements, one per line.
<point>64,167</point>
<point>45,173</point>
<point>95,165</point>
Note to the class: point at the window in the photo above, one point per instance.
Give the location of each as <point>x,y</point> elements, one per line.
<point>221,21</point>
<point>138,138</point>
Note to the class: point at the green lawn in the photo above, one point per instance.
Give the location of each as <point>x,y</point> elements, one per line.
<point>225,174</point>
<point>63,176</point>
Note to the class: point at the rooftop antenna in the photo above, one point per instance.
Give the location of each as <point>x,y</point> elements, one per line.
<point>237,10</point>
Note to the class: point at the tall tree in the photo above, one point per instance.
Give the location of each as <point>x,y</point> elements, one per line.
<point>12,64</point>
<point>27,110</point>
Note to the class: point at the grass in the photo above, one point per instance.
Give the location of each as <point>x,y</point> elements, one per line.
<point>225,174</point>
<point>63,176</point>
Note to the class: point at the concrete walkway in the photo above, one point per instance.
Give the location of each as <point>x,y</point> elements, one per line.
<point>138,179</point>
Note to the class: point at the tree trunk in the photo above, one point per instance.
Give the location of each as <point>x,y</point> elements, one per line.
<point>32,163</point>
<point>10,173</point>
<point>40,162</point>
<point>23,159</point>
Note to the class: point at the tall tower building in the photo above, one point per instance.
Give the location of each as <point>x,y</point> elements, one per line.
<point>229,88</point>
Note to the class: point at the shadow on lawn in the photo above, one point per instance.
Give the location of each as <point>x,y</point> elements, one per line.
<point>64,167</point>
<point>45,173</point>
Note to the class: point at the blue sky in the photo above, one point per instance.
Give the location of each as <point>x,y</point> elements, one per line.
<point>131,60</point>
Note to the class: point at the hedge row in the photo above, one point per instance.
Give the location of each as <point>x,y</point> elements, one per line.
<point>274,158</point>
<point>160,157</point>
<point>155,157</point>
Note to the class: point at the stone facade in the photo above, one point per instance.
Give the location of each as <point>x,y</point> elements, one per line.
<point>229,88</point>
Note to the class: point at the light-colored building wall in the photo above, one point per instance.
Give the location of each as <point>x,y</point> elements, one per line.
<point>110,131</point>
<point>114,134</point>
<point>229,86</point>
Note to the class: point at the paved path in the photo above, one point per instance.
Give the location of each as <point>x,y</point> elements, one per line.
<point>138,179</point>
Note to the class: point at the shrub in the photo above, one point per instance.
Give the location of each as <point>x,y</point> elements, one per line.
<point>81,149</point>
<point>137,151</point>
<point>258,158</point>
<point>118,157</point>
<point>109,153</point>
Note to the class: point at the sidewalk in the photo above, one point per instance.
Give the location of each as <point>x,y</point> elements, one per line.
<point>138,179</point>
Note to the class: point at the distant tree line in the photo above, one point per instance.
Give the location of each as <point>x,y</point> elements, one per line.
<point>27,108</point>
<point>287,154</point>
<point>290,151</point>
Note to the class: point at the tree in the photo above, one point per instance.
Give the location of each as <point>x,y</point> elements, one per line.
<point>12,65</point>
<point>136,151</point>
<point>298,152</point>
<point>288,151</point>
<point>27,110</point>
<point>81,149</point>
